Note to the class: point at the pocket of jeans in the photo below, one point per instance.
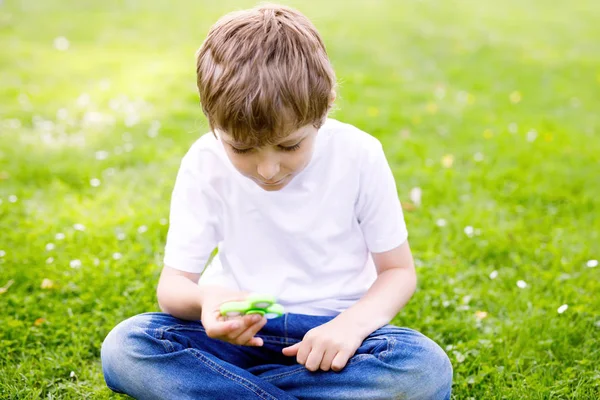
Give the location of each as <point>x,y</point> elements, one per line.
<point>369,349</point>
<point>373,346</point>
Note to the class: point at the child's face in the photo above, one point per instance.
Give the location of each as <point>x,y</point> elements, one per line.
<point>272,167</point>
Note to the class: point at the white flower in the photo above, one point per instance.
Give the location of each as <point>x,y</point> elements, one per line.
<point>469,230</point>
<point>2,253</point>
<point>49,246</point>
<point>62,113</point>
<point>462,97</point>
<point>83,100</point>
<point>95,182</point>
<point>101,155</point>
<point>61,43</point>
<point>121,236</point>
<point>441,222</point>
<point>117,256</point>
<point>478,157</point>
<point>513,127</point>
<point>592,263</point>
<point>79,227</point>
<point>460,357</point>
<point>132,119</point>
<point>562,308</point>
<point>104,84</point>
<point>531,135</point>
<point>59,236</point>
<point>154,127</point>
<point>522,284</point>
<point>75,263</point>
<point>142,229</point>
<point>493,274</point>
<point>163,221</point>
<point>439,92</point>
<point>96,262</point>
<point>49,260</point>
<point>415,196</point>
<point>13,198</point>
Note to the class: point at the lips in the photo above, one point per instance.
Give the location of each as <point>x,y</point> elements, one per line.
<point>273,182</point>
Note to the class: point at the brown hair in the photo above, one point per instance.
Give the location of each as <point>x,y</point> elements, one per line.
<point>263,73</point>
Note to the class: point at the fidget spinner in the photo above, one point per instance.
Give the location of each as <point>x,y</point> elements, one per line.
<point>264,305</point>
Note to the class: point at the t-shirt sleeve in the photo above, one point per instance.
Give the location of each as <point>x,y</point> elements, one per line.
<point>194,217</point>
<point>378,208</point>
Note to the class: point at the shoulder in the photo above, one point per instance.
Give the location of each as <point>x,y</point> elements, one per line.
<point>205,154</point>
<point>348,141</point>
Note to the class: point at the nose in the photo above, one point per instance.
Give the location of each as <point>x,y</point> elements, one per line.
<point>268,167</point>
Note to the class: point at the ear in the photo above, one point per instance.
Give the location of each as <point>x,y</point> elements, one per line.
<point>332,97</point>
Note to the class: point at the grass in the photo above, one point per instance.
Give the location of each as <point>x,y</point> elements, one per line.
<point>490,108</point>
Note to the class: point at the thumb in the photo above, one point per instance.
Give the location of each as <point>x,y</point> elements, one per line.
<point>292,350</point>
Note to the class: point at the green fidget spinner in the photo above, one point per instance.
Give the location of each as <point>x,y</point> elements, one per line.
<point>264,305</point>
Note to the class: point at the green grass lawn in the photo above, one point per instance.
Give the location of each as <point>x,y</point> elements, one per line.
<point>491,108</point>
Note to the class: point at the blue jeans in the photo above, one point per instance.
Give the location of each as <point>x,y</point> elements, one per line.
<point>158,356</point>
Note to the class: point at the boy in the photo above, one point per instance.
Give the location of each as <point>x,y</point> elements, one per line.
<point>301,207</point>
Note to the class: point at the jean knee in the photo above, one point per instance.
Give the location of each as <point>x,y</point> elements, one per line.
<point>437,372</point>
<point>121,348</point>
<point>421,369</point>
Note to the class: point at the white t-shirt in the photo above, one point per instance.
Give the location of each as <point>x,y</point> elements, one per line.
<point>309,243</point>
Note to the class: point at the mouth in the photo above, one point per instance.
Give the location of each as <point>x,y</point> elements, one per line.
<point>272,183</point>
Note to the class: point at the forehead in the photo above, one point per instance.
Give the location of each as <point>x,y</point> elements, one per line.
<point>272,139</point>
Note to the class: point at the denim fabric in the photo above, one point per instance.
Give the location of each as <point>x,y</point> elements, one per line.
<point>157,356</point>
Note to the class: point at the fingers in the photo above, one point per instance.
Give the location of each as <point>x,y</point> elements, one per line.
<point>303,352</point>
<point>313,361</point>
<point>246,336</point>
<point>218,329</point>
<point>239,331</point>
<point>339,361</point>
<point>328,359</point>
<point>292,350</point>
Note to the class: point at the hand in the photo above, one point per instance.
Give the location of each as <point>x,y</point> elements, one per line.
<point>240,330</point>
<point>330,345</point>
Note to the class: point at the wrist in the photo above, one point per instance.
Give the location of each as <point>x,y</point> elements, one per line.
<point>363,325</point>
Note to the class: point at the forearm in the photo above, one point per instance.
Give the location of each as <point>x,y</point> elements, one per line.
<point>180,297</point>
<point>385,298</point>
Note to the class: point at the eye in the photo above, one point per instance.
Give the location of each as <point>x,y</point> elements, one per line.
<point>240,151</point>
<point>290,148</point>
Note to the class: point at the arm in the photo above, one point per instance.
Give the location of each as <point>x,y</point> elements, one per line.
<point>331,345</point>
<point>179,294</point>
<point>395,284</point>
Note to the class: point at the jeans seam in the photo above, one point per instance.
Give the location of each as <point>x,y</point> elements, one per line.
<point>230,375</point>
<point>285,329</point>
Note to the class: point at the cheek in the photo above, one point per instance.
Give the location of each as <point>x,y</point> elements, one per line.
<point>298,161</point>
<point>242,164</point>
